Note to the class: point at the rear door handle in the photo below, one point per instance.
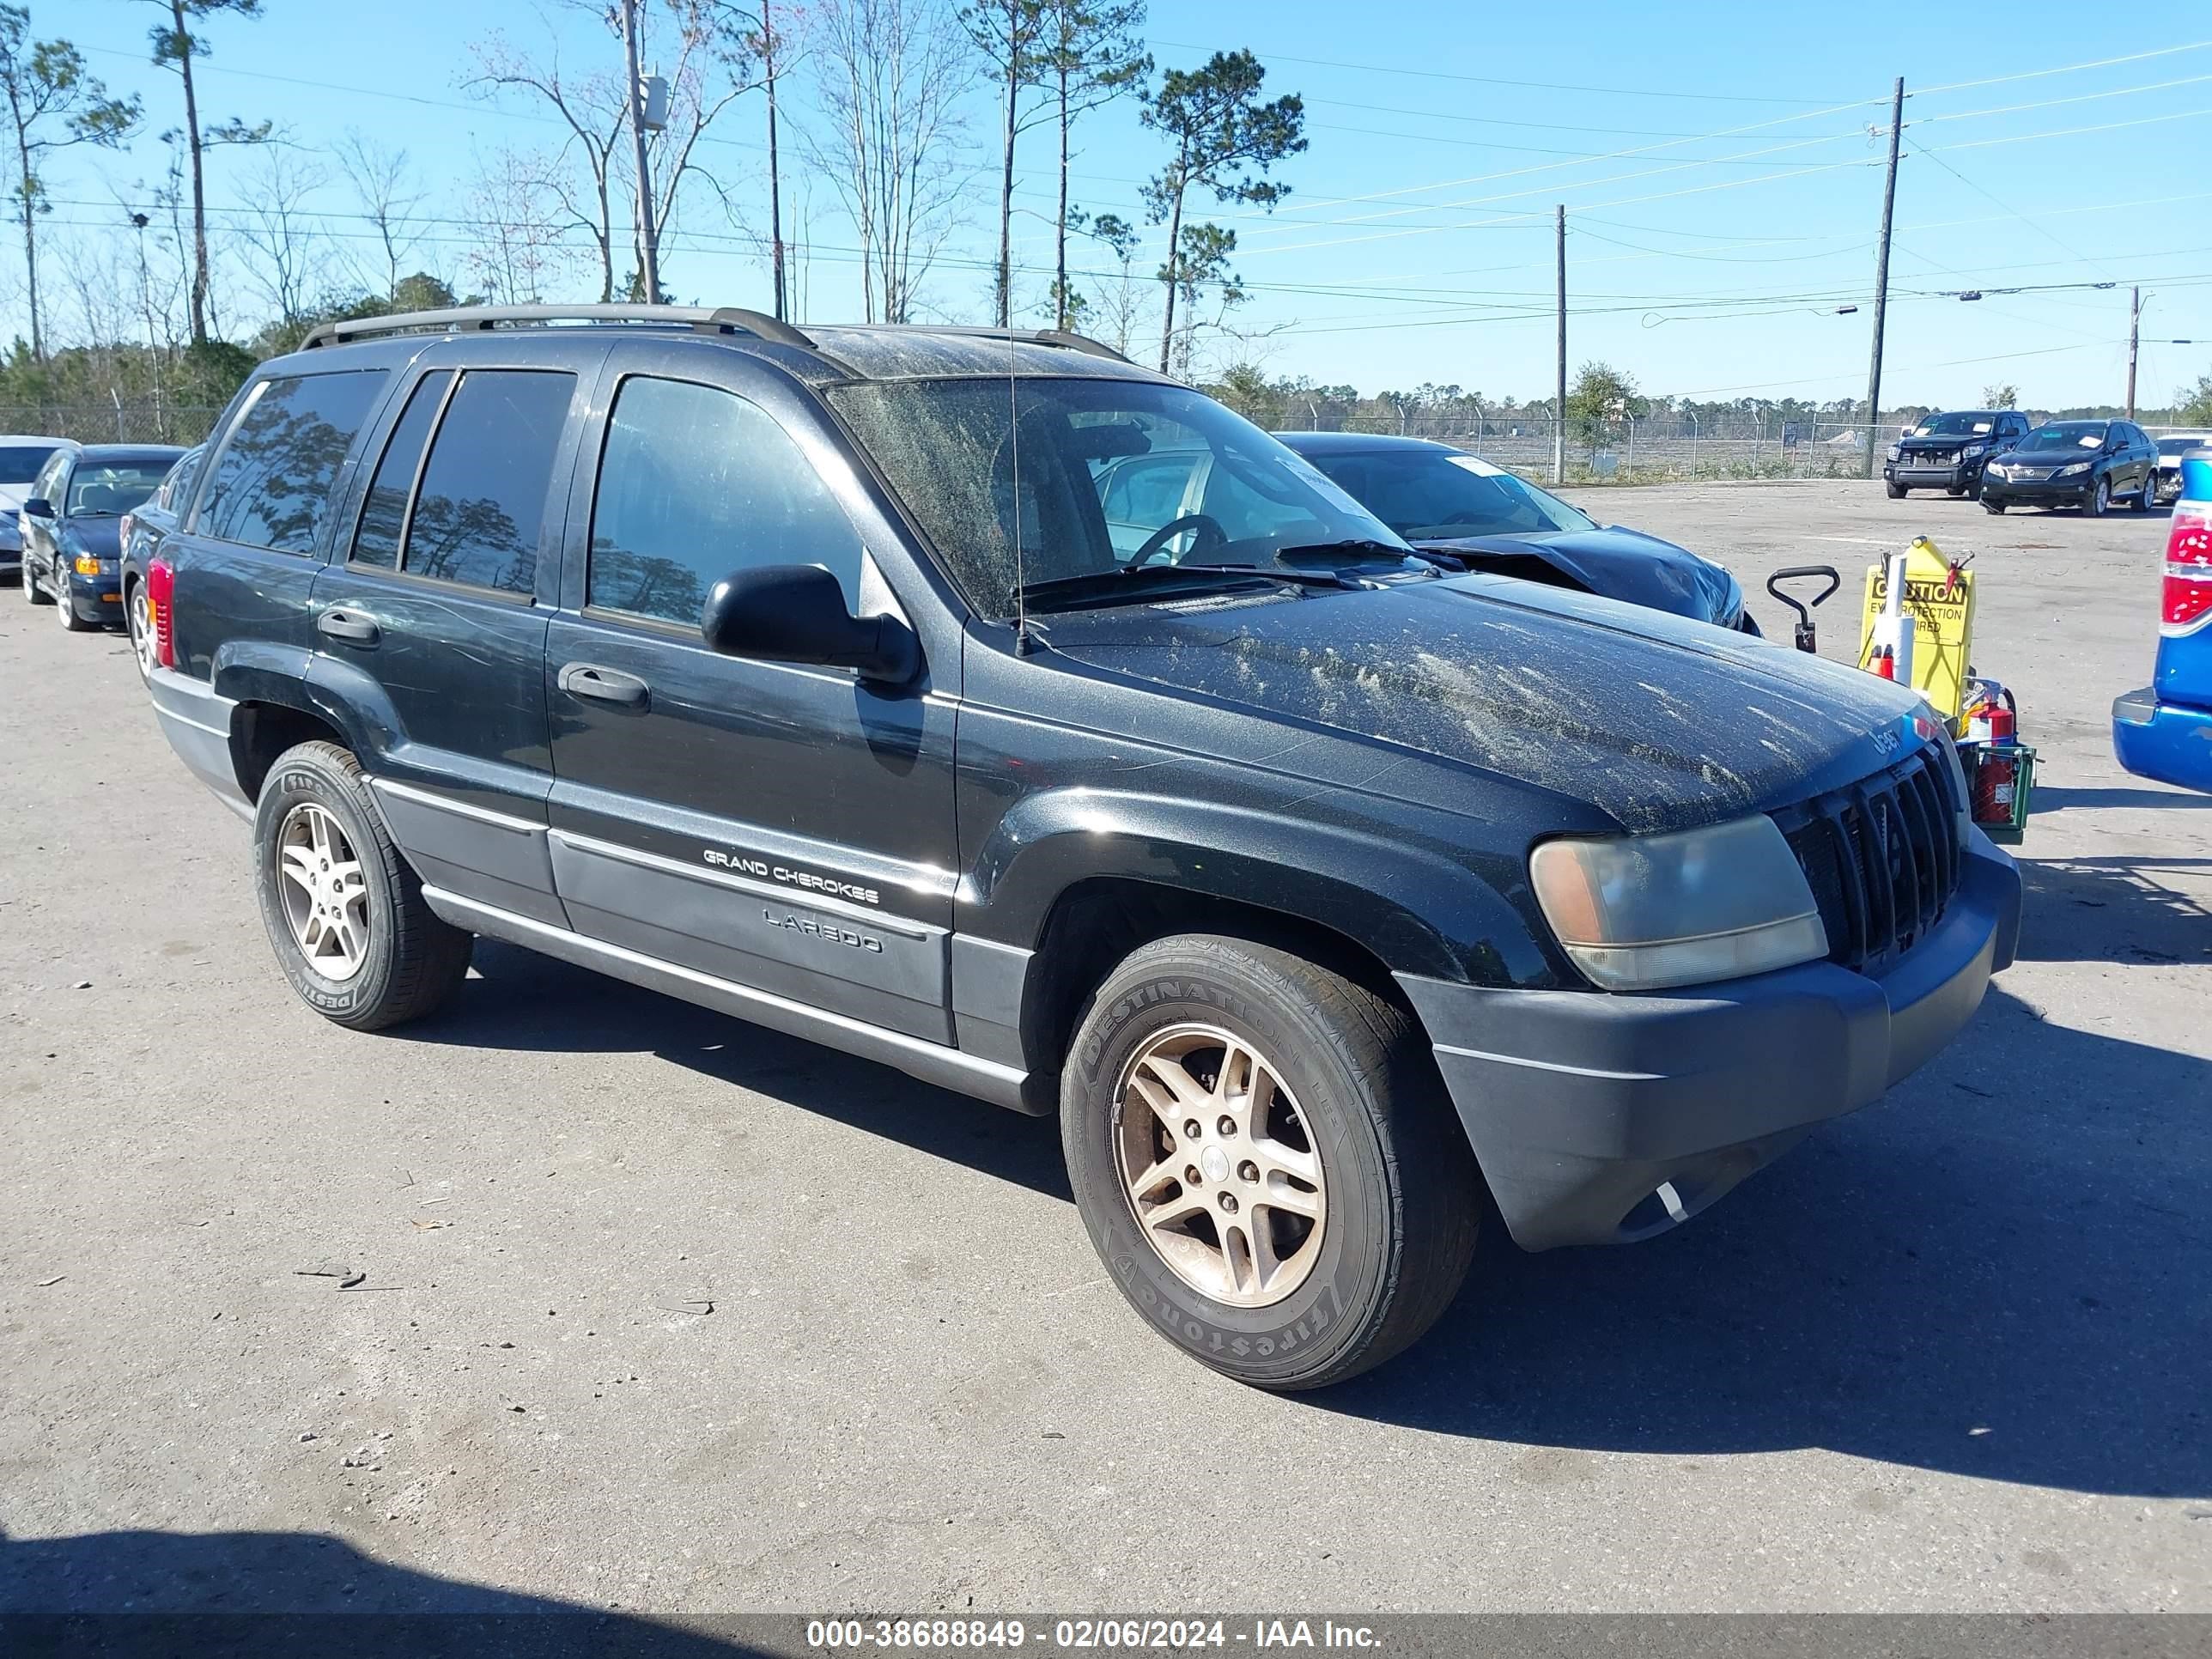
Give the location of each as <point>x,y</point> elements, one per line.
<point>339,623</point>
<point>582,679</point>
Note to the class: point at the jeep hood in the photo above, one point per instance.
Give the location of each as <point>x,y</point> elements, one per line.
<point>1660,722</point>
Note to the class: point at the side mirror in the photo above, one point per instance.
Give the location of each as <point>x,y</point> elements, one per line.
<point>796,613</point>
<point>39,508</point>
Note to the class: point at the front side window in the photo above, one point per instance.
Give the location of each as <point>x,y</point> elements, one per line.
<point>996,495</point>
<point>695,483</point>
<point>481,508</point>
<point>271,486</point>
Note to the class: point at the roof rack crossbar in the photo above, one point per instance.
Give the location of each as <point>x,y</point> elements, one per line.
<point>720,319</point>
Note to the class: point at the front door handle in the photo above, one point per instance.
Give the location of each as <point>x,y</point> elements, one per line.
<point>339,623</point>
<point>582,679</point>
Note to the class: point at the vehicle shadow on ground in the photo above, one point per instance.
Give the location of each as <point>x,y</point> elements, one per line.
<point>1998,1270</point>
<point>255,1593</point>
<point>520,1000</point>
<point>2116,909</point>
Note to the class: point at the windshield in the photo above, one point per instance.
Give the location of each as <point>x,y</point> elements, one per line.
<point>99,490</point>
<point>20,463</point>
<point>2065,434</point>
<point>1955,426</point>
<point>2183,445</point>
<point>1426,495</point>
<point>1105,467</point>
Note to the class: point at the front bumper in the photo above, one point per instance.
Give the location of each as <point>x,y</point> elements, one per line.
<point>2168,742</point>
<point>95,599</point>
<point>1958,475</point>
<point>2039,492</point>
<point>1601,1119</point>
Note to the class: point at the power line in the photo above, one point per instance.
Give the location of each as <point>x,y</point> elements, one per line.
<point>2063,69</point>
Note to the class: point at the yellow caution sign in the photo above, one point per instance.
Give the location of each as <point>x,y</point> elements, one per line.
<point>1942,606</point>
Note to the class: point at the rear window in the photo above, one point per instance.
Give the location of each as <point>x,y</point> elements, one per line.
<point>20,463</point>
<point>272,486</point>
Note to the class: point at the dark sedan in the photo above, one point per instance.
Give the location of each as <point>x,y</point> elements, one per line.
<point>2084,464</point>
<point>72,526</point>
<point>1456,508</point>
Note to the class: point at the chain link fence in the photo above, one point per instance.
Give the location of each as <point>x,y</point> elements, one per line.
<point>1653,449</point>
<point>119,424</point>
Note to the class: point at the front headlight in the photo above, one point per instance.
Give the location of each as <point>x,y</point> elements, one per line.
<point>2068,471</point>
<point>1894,452</point>
<point>1972,450</point>
<point>1640,913</point>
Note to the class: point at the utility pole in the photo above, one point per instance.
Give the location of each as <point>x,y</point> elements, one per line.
<point>1559,404</point>
<point>1881,280</point>
<point>648,251</point>
<point>2134,331</point>
<point>774,182</point>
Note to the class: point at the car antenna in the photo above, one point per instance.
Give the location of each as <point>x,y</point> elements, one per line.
<point>1023,643</point>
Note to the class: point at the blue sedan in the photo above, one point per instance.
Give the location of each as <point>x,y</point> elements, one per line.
<point>72,526</point>
<point>1462,511</point>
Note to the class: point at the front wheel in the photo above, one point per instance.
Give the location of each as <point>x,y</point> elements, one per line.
<point>1989,506</point>
<point>65,610</point>
<point>342,908</point>
<point>1265,1160</point>
<point>1896,491</point>
<point>2101,497</point>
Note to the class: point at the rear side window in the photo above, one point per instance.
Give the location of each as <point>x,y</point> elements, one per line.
<point>271,488</point>
<point>695,483</point>
<point>177,488</point>
<point>384,515</point>
<point>480,509</point>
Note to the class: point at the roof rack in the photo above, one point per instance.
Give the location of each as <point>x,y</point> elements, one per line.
<point>717,320</point>
<point>1047,336</point>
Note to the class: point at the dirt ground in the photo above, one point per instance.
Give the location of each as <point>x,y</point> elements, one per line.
<point>1950,1354</point>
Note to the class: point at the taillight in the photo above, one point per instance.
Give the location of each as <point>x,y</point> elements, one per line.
<point>2186,603</point>
<point>161,587</point>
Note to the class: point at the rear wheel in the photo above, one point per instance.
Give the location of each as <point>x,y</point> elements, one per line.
<point>145,645</point>
<point>342,908</point>
<point>1265,1160</point>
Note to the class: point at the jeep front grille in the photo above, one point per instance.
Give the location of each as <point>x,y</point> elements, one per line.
<point>1882,859</point>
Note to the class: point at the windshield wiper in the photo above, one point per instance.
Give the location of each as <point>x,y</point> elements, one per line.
<point>1313,553</point>
<point>1140,584</point>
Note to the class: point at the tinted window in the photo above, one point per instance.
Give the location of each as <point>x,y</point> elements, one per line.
<point>385,512</point>
<point>272,486</point>
<point>694,484</point>
<point>20,463</point>
<point>109,488</point>
<point>483,503</point>
<point>177,488</point>
<point>1425,492</point>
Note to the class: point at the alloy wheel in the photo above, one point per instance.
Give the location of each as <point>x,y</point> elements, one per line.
<point>2100,498</point>
<point>325,892</point>
<point>144,645</point>
<point>1219,1165</point>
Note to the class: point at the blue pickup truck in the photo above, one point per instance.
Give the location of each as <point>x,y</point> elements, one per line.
<point>2165,730</point>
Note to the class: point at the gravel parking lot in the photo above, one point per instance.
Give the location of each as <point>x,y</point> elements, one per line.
<point>669,1312</point>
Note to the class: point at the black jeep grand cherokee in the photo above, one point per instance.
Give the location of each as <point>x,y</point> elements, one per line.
<point>806,677</point>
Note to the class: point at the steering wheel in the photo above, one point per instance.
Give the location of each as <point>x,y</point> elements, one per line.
<point>1210,534</point>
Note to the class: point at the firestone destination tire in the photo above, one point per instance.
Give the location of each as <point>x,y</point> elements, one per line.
<point>1265,1160</point>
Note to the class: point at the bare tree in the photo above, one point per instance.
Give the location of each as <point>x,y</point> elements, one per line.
<point>1008,34</point>
<point>52,105</point>
<point>711,70</point>
<point>519,251</point>
<point>288,252</point>
<point>385,184</point>
<point>889,75</point>
<point>175,46</point>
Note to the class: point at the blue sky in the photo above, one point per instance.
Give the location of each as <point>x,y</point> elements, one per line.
<point>1722,187</point>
